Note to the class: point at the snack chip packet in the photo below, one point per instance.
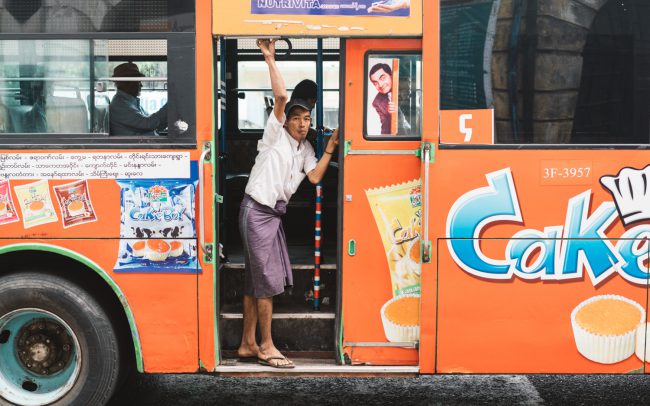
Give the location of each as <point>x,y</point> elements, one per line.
<point>8,213</point>
<point>397,211</point>
<point>74,201</point>
<point>36,203</point>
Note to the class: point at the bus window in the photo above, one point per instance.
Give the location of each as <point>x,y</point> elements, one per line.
<point>65,16</point>
<point>551,75</point>
<point>393,96</point>
<point>45,85</point>
<point>254,86</point>
<point>66,86</point>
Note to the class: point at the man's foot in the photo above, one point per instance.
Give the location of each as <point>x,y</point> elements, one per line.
<point>276,362</point>
<point>273,358</point>
<point>248,352</point>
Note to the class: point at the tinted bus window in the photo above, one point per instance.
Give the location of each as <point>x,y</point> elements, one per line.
<point>555,72</point>
<point>71,86</point>
<point>45,85</point>
<point>393,96</point>
<point>64,16</point>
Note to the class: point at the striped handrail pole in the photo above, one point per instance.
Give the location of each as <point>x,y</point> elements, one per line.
<point>317,246</point>
<point>319,186</point>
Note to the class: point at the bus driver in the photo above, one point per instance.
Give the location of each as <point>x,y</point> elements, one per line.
<point>126,115</point>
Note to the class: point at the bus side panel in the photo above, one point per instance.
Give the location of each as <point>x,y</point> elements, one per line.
<point>525,239</point>
<point>517,326</point>
<point>163,305</point>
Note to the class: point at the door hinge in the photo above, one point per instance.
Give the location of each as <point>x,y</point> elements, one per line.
<point>347,146</point>
<point>426,148</point>
<point>208,256</point>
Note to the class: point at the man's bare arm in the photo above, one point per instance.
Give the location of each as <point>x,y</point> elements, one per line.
<point>316,174</point>
<point>277,82</point>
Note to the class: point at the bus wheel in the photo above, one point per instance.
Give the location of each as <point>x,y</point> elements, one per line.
<point>57,345</point>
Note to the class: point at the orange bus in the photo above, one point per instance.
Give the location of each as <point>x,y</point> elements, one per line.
<point>487,211</point>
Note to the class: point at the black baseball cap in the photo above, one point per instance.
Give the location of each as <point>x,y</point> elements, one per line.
<point>296,103</point>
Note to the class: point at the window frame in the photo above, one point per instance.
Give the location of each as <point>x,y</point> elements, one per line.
<point>234,56</point>
<point>180,40</point>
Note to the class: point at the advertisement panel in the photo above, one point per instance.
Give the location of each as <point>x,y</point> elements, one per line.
<point>346,18</point>
<point>543,263</point>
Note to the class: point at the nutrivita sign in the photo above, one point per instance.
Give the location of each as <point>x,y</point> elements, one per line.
<point>394,8</point>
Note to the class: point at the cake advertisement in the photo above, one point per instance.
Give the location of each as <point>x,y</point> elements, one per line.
<point>74,202</point>
<point>157,228</point>
<point>8,213</point>
<point>36,203</point>
<point>397,210</point>
<point>571,290</point>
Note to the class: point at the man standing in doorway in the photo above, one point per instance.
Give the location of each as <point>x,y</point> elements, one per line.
<point>284,159</point>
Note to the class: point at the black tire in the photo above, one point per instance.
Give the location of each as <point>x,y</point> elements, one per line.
<point>96,336</point>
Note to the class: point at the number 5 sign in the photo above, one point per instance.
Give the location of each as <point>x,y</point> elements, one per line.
<point>474,127</point>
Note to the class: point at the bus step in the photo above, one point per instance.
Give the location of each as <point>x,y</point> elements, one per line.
<point>300,296</point>
<point>296,331</point>
<point>314,367</point>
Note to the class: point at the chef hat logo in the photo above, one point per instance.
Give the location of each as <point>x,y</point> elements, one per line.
<point>631,191</point>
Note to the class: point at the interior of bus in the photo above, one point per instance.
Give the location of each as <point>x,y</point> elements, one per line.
<point>298,329</point>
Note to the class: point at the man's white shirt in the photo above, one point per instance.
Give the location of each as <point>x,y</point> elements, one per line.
<point>280,166</point>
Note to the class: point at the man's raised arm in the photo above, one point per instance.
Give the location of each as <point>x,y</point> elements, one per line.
<point>277,82</point>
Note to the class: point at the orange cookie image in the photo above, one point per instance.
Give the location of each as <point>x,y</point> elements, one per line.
<point>36,206</point>
<point>138,248</point>
<point>401,318</point>
<point>176,249</point>
<point>414,251</point>
<point>157,250</point>
<point>3,208</point>
<point>604,327</point>
<point>76,208</point>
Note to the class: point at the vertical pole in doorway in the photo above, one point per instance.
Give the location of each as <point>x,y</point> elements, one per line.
<point>223,146</point>
<point>319,186</point>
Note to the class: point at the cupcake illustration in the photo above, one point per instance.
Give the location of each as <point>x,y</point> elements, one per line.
<point>138,248</point>
<point>605,328</point>
<point>176,249</point>
<point>400,317</point>
<point>157,250</point>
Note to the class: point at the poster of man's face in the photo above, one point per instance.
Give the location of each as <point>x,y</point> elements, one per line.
<point>382,77</point>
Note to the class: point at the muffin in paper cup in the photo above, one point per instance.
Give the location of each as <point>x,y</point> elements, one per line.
<point>605,327</point>
<point>401,318</point>
<point>642,350</point>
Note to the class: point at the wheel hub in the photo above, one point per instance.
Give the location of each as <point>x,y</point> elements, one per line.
<point>43,347</point>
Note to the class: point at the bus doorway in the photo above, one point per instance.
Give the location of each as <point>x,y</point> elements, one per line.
<point>304,317</point>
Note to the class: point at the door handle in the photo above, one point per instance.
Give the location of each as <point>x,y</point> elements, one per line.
<point>352,248</point>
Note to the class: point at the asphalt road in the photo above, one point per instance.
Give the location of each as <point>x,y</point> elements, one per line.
<point>424,390</point>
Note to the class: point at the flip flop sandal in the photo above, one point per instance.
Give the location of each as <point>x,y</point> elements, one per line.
<point>251,359</point>
<point>268,363</point>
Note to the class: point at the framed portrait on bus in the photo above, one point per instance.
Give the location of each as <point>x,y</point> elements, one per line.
<point>393,102</point>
